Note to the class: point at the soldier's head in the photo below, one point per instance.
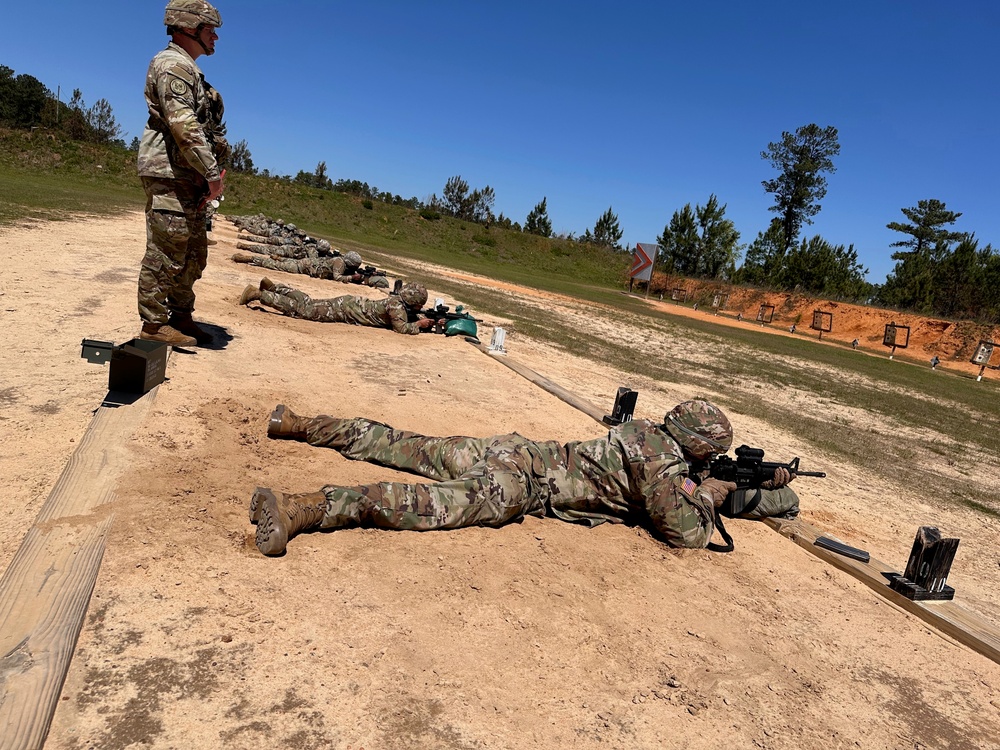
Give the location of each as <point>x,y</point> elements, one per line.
<point>323,247</point>
<point>700,428</point>
<point>352,260</point>
<point>414,296</point>
<point>196,20</point>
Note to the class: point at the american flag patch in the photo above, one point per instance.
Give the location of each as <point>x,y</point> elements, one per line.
<point>688,487</point>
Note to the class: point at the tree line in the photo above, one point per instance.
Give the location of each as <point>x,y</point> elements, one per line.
<point>938,270</point>
<point>25,102</point>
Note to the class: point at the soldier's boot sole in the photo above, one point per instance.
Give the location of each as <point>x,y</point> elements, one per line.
<point>280,517</point>
<point>272,522</point>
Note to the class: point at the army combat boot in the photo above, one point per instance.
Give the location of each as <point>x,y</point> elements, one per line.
<point>184,323</point>
<point>250,294</point>
<point>242,257</point>
<point>279,517</point>
<point>284,424</point>
<point>166,334</point>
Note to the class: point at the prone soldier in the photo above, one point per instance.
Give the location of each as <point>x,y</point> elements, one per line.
<point>393,312</point>
<point>637,472</point>
<point>344,268</point>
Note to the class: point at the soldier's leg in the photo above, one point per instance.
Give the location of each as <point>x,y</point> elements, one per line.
<point>259,249</point>
<point>492,494</point>
<point>437,458</point>
<point>288,265</point>
<point>294,303</point>
<point>181,298</point>
<point>167,236</point>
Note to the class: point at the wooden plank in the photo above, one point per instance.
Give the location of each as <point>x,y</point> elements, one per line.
<point>545,384</point>
<point>45,591</point>
<point>950,618</point>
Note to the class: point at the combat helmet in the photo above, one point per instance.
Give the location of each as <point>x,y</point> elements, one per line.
<point>190,14</point>
<point>352,259</point>
<point>323,247</point>
<point>700,428</point>
<point>414,296</point>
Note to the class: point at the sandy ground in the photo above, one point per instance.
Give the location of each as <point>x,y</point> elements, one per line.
<point>538,635</point>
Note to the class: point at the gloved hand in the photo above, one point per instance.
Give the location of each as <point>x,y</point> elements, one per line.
<point>782,476</point>
<point>717,490</point>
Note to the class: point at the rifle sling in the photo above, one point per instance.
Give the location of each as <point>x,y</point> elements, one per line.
<point>745,510</point>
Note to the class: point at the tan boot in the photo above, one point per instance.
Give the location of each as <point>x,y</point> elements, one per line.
<point>285,424</point>
<point>279,517</point>
<point>250,294</point>
<point>184,323</point>
<point>166,334</point>
<point>266,285</point>
<point>242,257</point>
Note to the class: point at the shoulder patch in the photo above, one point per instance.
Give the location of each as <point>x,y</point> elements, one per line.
<point>688,487</point>
<point>178,86</point>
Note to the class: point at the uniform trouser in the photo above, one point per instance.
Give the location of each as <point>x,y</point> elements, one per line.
<point>477,481</point>
<point>288,265</point>
<point>298,304</point>
<point>176,248</point>
<point>289,251</point>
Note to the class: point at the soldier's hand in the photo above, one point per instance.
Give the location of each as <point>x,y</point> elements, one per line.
<point>717,490</point>
<point>782,477</point>
<point>426,323</point>
<point>356,278</point>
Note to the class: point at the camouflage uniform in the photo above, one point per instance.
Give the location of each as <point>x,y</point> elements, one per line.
<point>177,159</point>
<point>634,472</point>
<point>389,312</point>
<point>284,251</point>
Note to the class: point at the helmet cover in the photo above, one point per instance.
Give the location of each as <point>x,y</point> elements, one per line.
<point>413,295</point>
<point>190,14</point>
<point>700,428</point>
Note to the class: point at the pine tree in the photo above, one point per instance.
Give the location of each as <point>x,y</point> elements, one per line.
<point>606,230</point>
<point>802,158</point>
<point>537,221</point>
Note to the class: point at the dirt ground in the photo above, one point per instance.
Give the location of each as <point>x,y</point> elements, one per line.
<point>538,635</point>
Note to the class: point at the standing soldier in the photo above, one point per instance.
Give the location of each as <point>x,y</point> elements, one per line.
<point>179,164</point>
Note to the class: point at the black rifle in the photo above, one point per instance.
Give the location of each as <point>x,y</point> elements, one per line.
<point>748,471</point>
<point>368,271</point>
<point>441,314</point>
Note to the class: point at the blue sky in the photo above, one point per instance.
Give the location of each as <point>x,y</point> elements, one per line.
<point>639,106</point>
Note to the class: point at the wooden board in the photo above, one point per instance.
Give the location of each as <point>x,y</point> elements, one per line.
<point>45,592</point>
<point>949,617</point>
